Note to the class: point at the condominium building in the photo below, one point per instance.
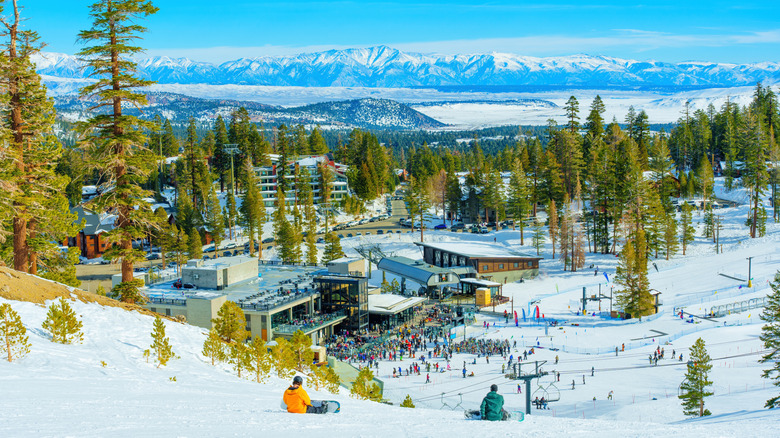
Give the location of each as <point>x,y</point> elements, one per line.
<point>268,178</point>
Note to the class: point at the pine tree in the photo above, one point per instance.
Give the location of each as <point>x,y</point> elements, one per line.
<point>309,215</point>
<point>552,218</point>
<point>230,323</point>
<point>161,345</point>
<point>215,220</point>
<point>323,376</point>
<point>317,145</point>
<point>240,357</point>
<point>537,238</point>
<point>114,142</point>
<point>195,248</point>
<point>686,229</point>
<point>407,403</point>
<point>179,246</point>
<point>517,202</point>
<point>670,242</point>
<point>259,359</point>
<point>252,211</point>
<point>284,358</point>
<point>287,239</point>
<point>301,346</point>
<point>214,348</point>
<point>694,388</point>
<point>13,336</point>
<point>770,336</point>
<point>62,323</point>
<point>34,192</point>
<point>231,215</point>
<point>418,202</point>
<point>333,249</point>
<point>572,109</point>
<point>631,273</point>
<point>364,387</point>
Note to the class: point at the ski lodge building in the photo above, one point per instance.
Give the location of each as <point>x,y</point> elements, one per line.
<point>489,261</point>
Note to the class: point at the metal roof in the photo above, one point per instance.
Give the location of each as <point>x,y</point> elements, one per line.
<point>477,250</point>
<point>415,270</point>
<point>391,304</point>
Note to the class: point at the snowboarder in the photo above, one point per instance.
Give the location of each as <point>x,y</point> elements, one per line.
<point>492,408</point>
<point>609,396</point>
<point>298,402</point>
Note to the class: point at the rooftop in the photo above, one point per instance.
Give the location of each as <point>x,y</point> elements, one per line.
<point>391,304</point>
<point>477,250</point>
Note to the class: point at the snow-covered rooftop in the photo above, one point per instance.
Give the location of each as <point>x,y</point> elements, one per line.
<point>476,249</point>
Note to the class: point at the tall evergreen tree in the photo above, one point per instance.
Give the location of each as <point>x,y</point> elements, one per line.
<point>695,387</point>
<point>195,247</point>
<point>552,224</point>
<point>517,202</point>
<point>686,229</point>
<point>215,220</point>
<point>114,142</point>
<point>631,273</point>
<point>36,203</point>
<point>333,249</point>
<point>418,202</point>
<point>770,336</point>
<point>252,211</point>
<point>572,109</point>
<point>309,215</point>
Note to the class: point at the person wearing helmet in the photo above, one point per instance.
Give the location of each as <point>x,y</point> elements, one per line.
<point>297,400</point>
<point>492,408</point>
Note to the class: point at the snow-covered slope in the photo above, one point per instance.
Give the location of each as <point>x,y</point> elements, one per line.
<point>383,66</point>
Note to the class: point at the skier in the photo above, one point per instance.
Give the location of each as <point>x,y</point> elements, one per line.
<point>592,371</point>
<point>298,402</point>
<point>556,359</point>
<point>427,378</point>
<point>572,383</point>
<point>609,396</point>
<point>519,389</point>
<point>492,408</point>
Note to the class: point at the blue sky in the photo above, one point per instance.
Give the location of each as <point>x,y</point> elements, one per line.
<point>205,30</point>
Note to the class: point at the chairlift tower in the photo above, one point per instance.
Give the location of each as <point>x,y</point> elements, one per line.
<point>518,375</point>
<point>599,297</point>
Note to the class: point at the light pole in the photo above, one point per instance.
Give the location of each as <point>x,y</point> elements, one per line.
<point>232,149</point>
<point>750,268</point>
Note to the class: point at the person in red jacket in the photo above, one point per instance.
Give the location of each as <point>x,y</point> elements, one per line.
<point>298,401</point>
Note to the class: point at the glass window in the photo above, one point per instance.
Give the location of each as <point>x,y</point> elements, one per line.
<point>500,266</point>
<point>484,267</point>
<point>517,265</point>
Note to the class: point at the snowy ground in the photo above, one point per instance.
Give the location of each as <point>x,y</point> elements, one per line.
<point>66,391</point>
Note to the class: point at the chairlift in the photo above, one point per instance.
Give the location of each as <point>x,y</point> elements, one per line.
<point>550,392</point>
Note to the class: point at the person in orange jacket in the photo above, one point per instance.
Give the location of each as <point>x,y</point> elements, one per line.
<point>298,401</point>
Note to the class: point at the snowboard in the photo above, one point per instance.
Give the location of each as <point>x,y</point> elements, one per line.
<point>334,407</point>
<point>475,415</point>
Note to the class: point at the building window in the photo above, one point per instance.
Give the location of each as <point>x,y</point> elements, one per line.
<point>442,278</point>
<point>517,265</point>
<point>484,268</point>
<point>500,266</point>
<point>167,312</point>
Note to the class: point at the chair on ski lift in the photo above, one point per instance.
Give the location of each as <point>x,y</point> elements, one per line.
<point>550,392</point>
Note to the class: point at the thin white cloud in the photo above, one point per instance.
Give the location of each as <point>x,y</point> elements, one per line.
<point>634,40</point>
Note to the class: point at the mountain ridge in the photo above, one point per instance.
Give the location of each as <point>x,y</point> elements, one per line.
<point>383,66</point>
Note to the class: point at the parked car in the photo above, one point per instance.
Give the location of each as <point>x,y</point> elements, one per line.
<point>320,240</point>
<point>341,236</point>
<point>154,256</point>
<point>179,285</point>
<point>349,234</point>
<point>230,245</point>
<point>358,234</point>
<point>380,232</point>
<point>458,226</point>
<point>268,240</point>
<point>483,230</point>
<point>440,227</point>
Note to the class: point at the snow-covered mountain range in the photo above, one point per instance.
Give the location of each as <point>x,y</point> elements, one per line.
<point>383,66</point>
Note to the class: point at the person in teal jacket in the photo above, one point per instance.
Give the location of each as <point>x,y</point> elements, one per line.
<point>492,408</point>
